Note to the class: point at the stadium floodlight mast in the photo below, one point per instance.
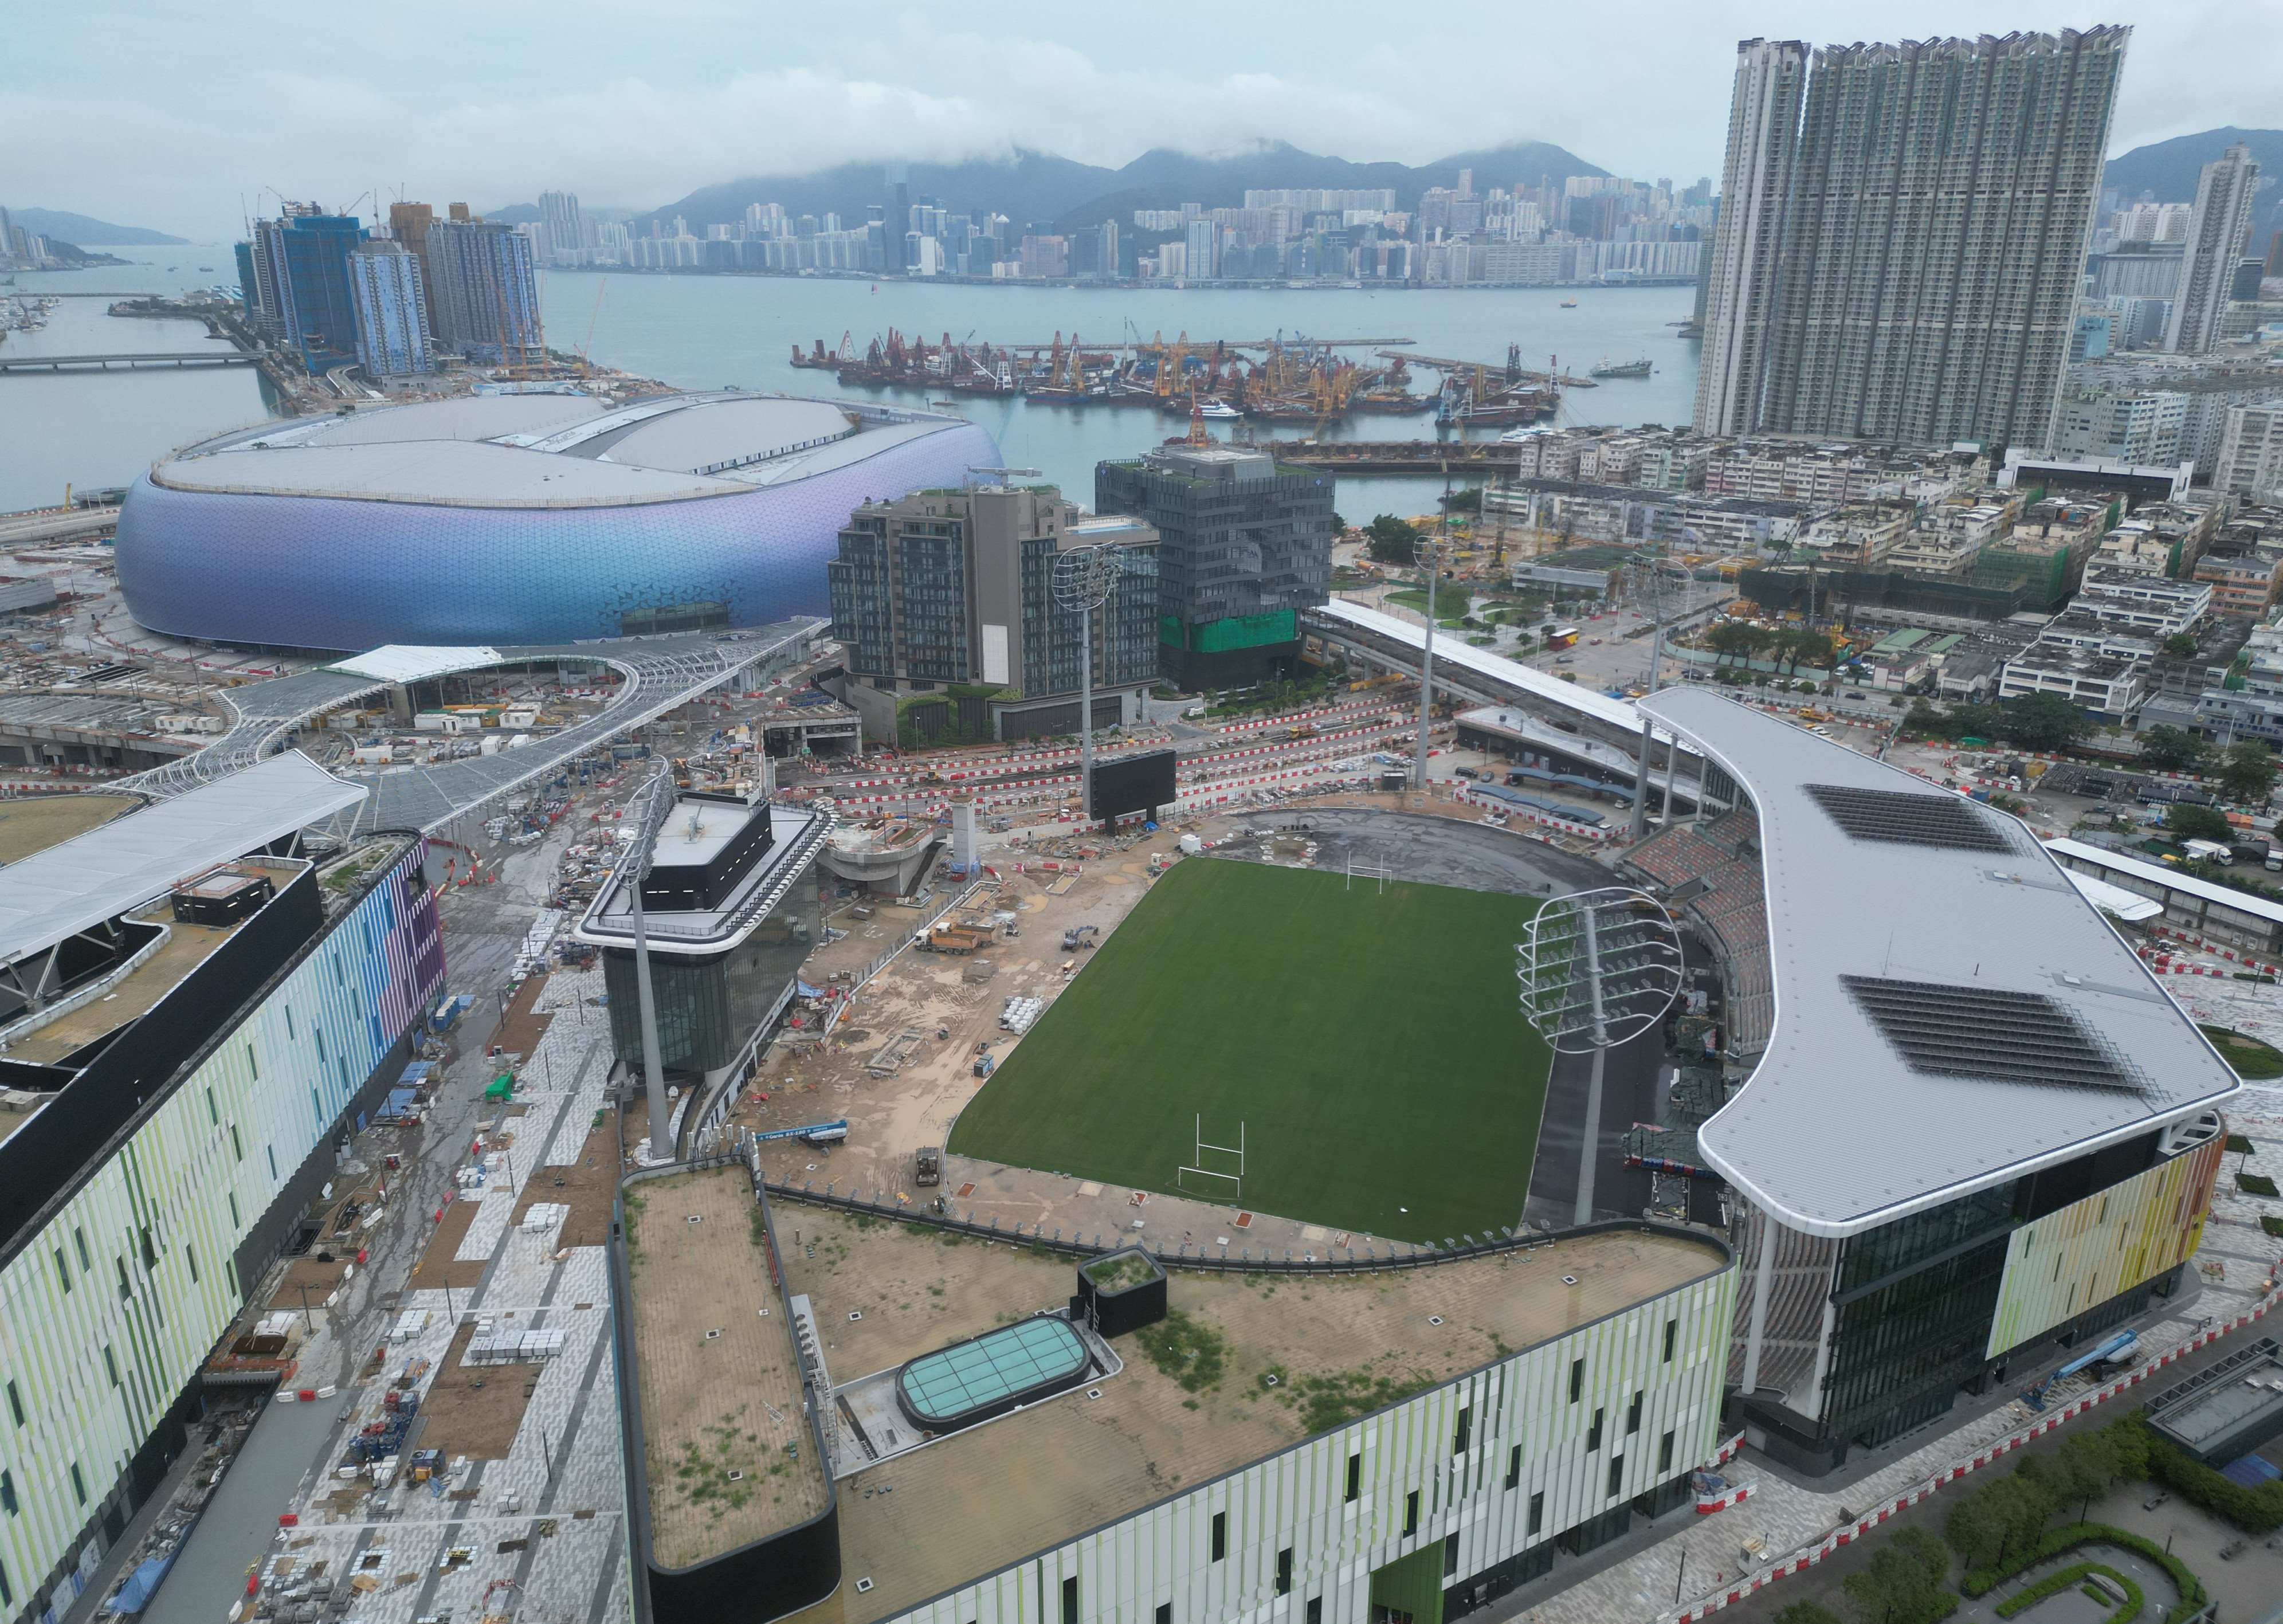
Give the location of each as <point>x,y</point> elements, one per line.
<point>1659,588</point>
<point>1083,579</point>
<point>647,813</point>
<point>1598,968</point>
<point>1428,551</point>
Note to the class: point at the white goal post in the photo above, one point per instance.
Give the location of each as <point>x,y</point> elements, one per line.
<point>1197,1168</point>
<point>1369,871</point>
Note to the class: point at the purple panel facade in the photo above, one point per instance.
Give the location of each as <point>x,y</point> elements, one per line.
<point>325,572</point>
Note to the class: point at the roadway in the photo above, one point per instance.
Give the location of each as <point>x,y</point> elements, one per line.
<point>130,360</point>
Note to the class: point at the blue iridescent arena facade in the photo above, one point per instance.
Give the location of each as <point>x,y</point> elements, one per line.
<point>331,572</point>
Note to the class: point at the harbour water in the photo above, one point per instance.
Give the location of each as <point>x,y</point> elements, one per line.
<point>707,332</point>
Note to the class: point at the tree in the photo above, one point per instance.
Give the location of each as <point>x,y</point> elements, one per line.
<point>2247,771</point>
<point>2083,1469</point>
<point>1390,540</point>
<point>2186,821</point>
<point>1733,638</point>
<point>2043,721</point>
<point>2168,749</point>
<point>2181,645</point>
<point>1904,1582</point>
<point>1976,1528</point>
<point>1811,646</point>
<point>1807,1612</point>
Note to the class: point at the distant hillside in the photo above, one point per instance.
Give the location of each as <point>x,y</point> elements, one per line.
<point>2169,168</point>
<point>1041,189</point>
<point>63,226</point>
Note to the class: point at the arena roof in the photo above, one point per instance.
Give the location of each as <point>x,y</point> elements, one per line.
<point>549,450</point>
<point>1951,1009</point>
<point>99,875</point>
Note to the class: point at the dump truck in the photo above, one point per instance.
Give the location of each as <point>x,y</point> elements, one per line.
<point>927,1166</point>
<point>959,939</point>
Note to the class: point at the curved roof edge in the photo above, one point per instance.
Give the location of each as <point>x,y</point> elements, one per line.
<point>1827,1112</point>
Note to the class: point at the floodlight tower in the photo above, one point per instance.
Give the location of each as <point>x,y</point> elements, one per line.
<point>1428,551</point>
<point>648,813</point>
<point>1598,968</point>
<point>1658,588</point>
<point>1083,579</point>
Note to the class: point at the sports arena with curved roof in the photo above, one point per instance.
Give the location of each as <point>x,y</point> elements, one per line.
<point>519,519</point>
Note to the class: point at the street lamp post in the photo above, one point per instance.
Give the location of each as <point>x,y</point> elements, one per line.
<point>1083,579</point>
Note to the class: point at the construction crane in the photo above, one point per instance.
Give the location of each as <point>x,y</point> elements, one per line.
<point>586,371</point>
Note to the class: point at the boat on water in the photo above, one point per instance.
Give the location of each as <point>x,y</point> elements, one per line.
<point>1607,368</point>
<point>1531,433</point>
<point>1569,303</point>
<point>1217,411</point>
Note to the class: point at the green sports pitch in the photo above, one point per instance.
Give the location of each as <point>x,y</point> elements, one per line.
<point>1370,1042</point>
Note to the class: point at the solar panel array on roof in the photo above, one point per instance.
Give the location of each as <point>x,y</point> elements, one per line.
<point>1954,1031</point>
<point>1903,819</point>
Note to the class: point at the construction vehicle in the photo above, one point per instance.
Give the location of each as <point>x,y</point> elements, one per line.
<point>959,939</point>
<point>1080,936</point>
<point>927,1166</point>
<point>2120,1347</point>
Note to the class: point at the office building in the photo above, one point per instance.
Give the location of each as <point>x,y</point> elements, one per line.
<point>1244,544</point>
<point>945,600</point>
<point>1964,1127</point>
<point>2214,247</point>
<point>564,226</point>
<point>729,910</point>
<point>1902,235</point>
<point>194,1023</point>
<point>392,311</point>
<point>484,291</point>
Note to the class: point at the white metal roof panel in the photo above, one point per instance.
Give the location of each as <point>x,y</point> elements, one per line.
<point>727,432</point>
<point>446,472</point>
<point>1835,1132</point>
<point>2114,900</point>
<point>1455,651</point>
<point>411,662</point>
<point>83,881</point>
<point>2176,880</point>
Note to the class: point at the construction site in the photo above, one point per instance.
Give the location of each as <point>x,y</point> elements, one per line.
<point>1281,379</point>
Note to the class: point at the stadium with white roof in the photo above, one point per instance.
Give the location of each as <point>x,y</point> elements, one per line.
<point>519,519</point>
<point>1963,1125</point>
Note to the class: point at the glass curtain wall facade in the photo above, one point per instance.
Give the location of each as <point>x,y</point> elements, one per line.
<point>317,264</point>
<point>709,1009</point>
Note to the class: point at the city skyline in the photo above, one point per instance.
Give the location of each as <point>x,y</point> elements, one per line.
<point>635,123</point>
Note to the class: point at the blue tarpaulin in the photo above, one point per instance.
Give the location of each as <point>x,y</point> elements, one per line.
<point>143,1584</point>
<point>805,990</point>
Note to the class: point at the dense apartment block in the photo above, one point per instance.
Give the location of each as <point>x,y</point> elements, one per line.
<point>1902,235</point>
<point>945,600</point>
<point>1245,543</point>
<point>391,301</point>
<point>484,290</point>
<point>2216,231</point>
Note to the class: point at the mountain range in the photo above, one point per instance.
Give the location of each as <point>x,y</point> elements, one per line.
<point>2168,169</point>
<point>1061,194</point>
<point>59,225</point>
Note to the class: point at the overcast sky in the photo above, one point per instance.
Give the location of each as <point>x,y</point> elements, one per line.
<point>166,114</point>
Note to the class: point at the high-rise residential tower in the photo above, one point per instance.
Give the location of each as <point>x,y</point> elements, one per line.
<point>1901,232</point>
<point>391,306</point>
<point>2216,231</point>
<point>483,290</point>
<point>565,224</point>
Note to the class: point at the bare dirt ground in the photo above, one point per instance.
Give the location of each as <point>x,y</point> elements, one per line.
<point>475,1410</point>
<point>437,1267</point>
<point>588,1188</point>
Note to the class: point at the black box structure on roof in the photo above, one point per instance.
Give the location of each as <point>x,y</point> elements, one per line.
<point>221,896</point>
<point>1140,783</point>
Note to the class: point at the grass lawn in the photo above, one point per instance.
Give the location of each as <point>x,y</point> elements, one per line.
<point>1373,1045</point>
<point>2250,1057</point>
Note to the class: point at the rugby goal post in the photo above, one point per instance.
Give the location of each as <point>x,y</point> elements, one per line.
<point>1377,871</point>
<point>1196,1168</point>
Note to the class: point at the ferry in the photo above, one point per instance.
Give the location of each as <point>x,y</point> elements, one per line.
<point>1569,303</point>
<point>1217,411</point>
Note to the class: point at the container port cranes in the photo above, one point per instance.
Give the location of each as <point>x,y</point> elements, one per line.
<point>1278,380</point>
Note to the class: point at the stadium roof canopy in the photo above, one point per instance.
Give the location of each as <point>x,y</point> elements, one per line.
<point>82,882</point>
<point>1513,673</point>
<point>409,662</point>
<point>1951,1012</point>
